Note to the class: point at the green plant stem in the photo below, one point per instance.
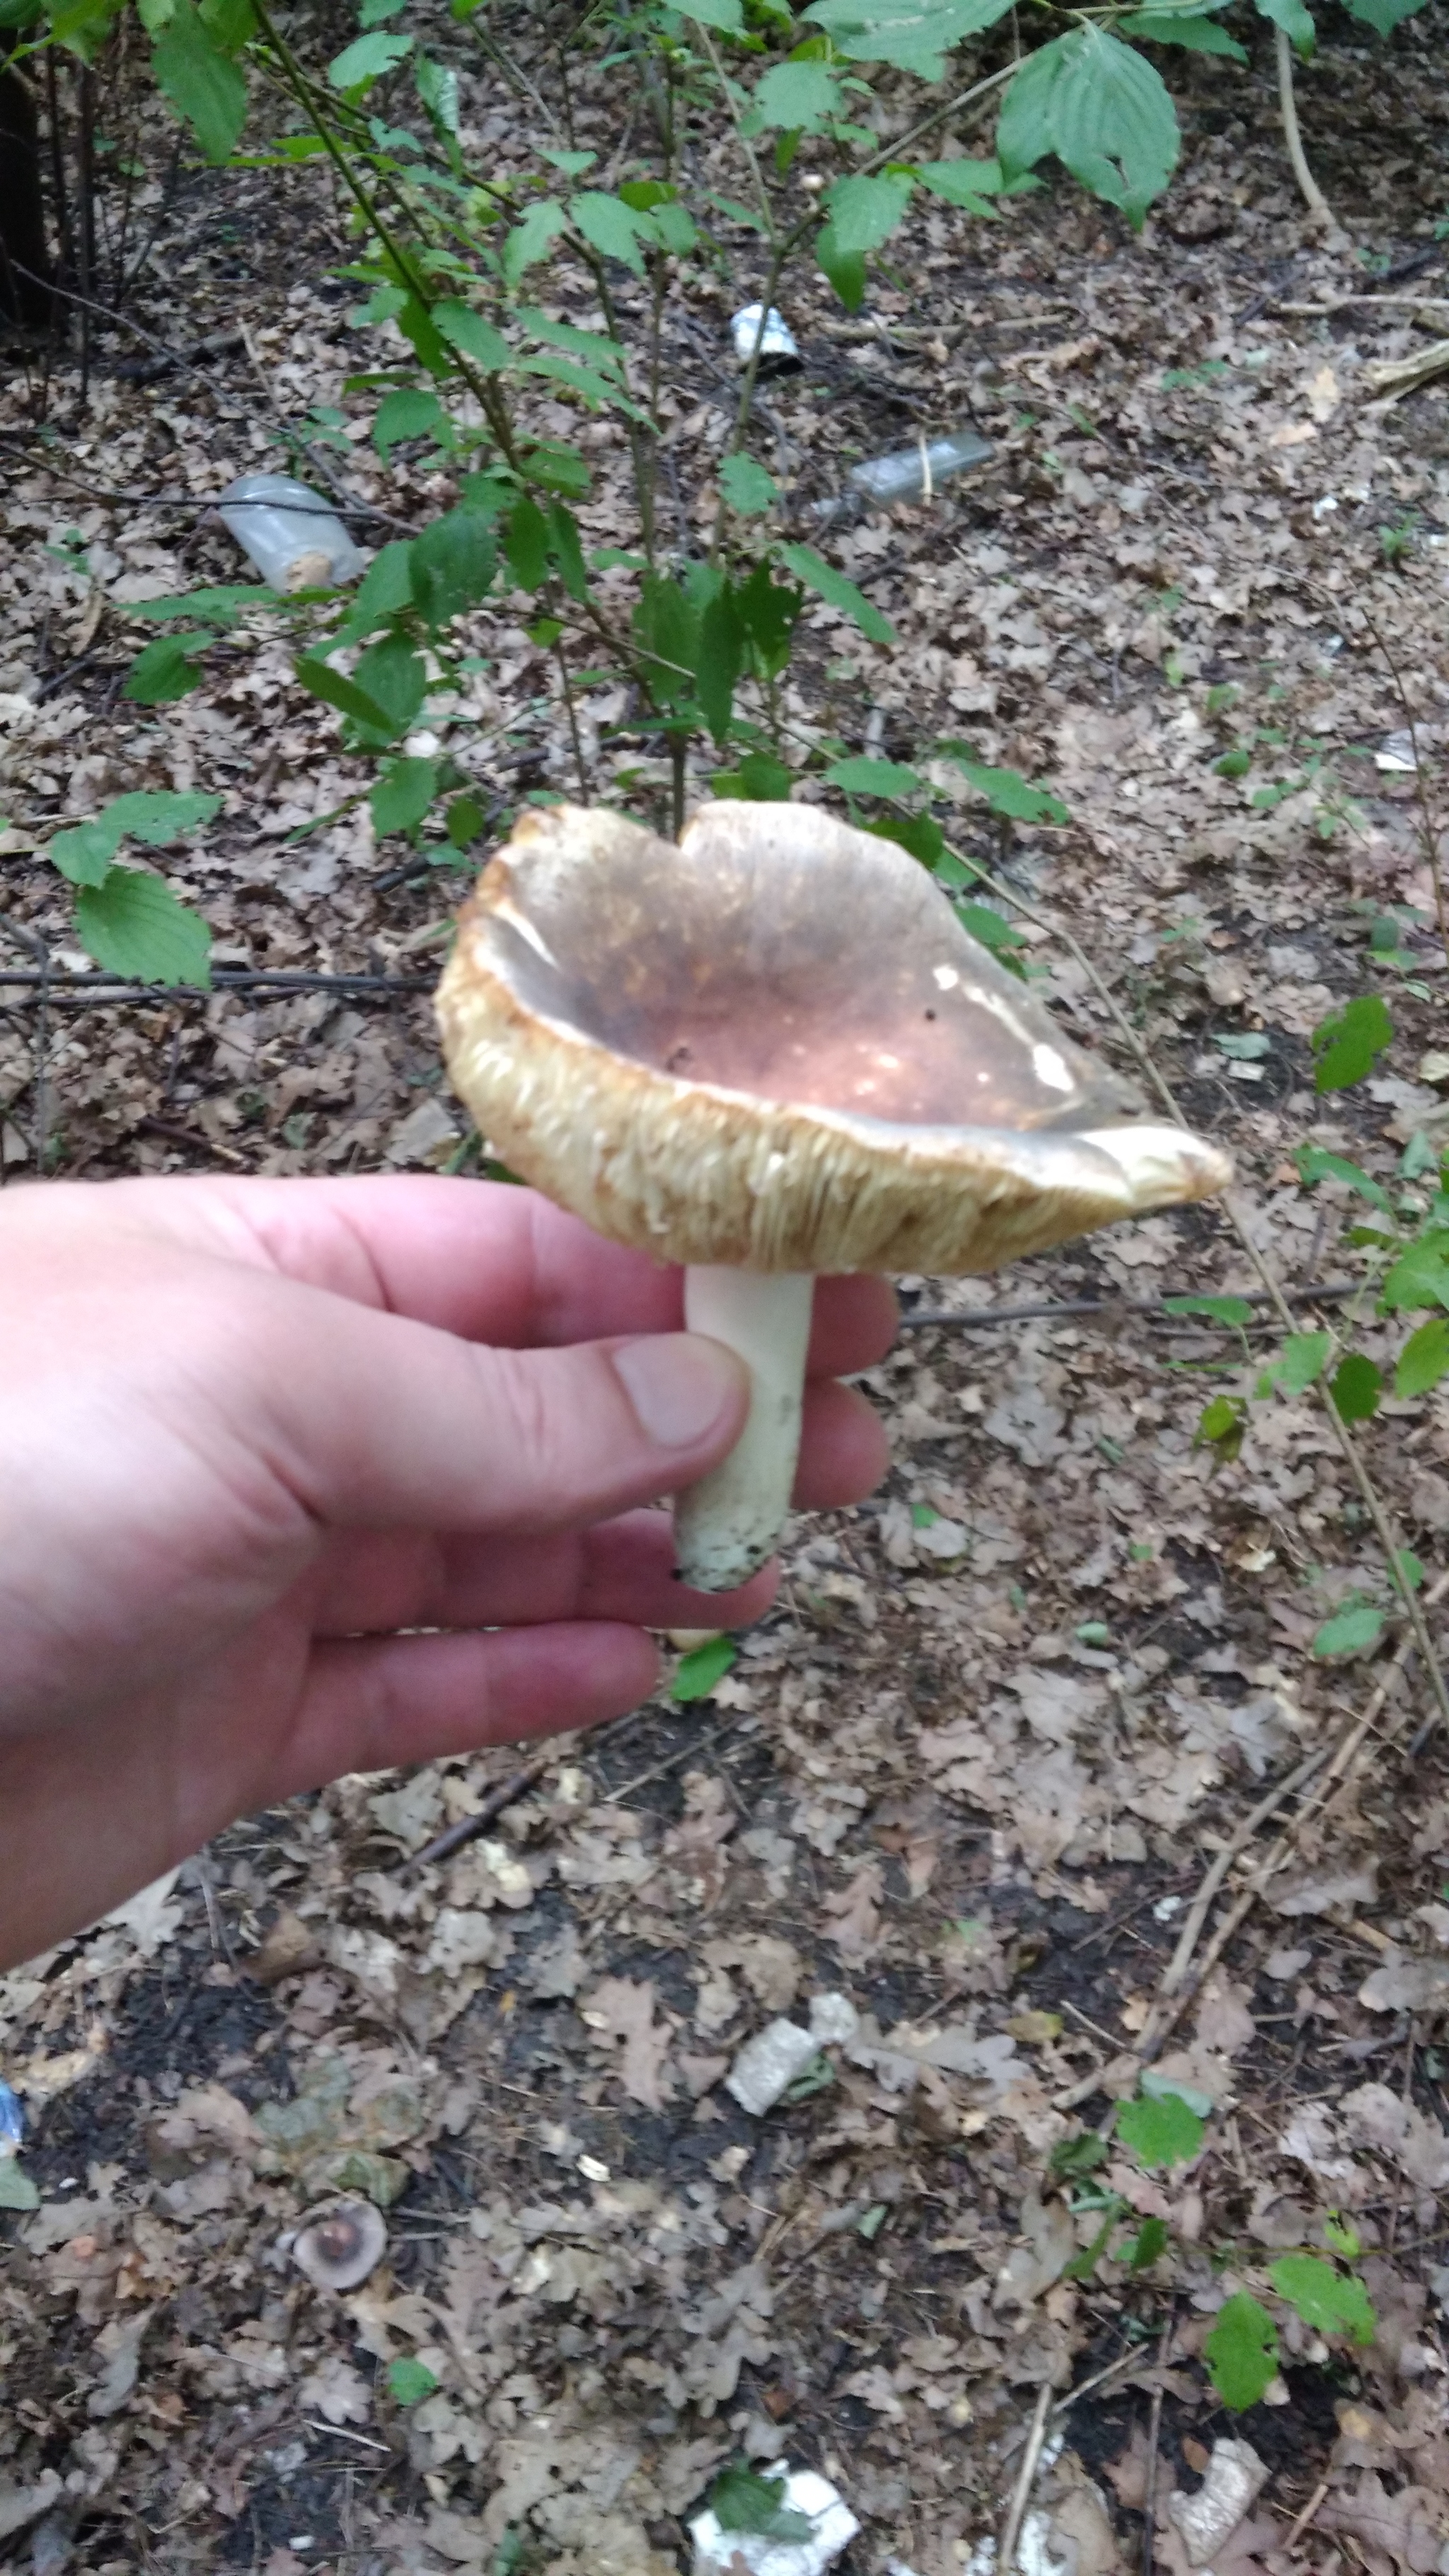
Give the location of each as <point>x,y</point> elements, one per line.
<point>1309,189</point>
<point>483,388</point>
<point>1368,1491</point>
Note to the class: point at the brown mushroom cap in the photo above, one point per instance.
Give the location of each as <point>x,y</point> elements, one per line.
<point>775,1047</point>
<point>341,2245</point>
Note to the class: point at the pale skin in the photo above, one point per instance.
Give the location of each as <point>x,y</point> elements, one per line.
<point>253,1432</point>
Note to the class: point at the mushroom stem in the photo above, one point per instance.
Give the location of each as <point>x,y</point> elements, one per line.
<point>727,1525</point>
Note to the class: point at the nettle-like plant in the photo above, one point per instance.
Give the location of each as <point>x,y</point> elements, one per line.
<point>1165,2126</point>
<point>469,270</point>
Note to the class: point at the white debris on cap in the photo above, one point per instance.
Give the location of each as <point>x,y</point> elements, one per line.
<point>832,2017</point>
<point>768,2064</point>
<point>801,2491</point>
<point>1229,2489</point>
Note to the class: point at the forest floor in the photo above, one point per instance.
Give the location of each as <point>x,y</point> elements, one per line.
<point>975,1767</point>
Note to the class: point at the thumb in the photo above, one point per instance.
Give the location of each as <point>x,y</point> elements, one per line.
<point>377,1421</point>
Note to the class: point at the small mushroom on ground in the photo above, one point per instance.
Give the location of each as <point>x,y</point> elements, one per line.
<point>339,2249</point>
<point>768,1052</point>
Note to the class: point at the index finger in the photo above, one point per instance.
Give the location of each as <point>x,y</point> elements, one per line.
<point>481,1259</point>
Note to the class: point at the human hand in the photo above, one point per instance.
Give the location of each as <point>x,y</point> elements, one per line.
<point>252,1431</point>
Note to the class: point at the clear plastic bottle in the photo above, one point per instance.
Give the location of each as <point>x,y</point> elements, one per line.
<point>293,536</point>
<point>916,473</point>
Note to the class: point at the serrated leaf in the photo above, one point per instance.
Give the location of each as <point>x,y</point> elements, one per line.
<point>1356,1386</point>
<point>612,228</point>
<point>451,566</point>
<point>1102,109</point>
<point>1316,1163</point>
<point>437,87</point>
<point>696,1673</point>
<point>864,212</point>
<point>743,2502</point>
<point>84,853</point>
<point>1234,1311</point>
<point>367,58</point>
<point>797,97</point>
<point>1424,1359</point>
<point>1302,1361</point>
<point>158,816</point>
<point>467,331</point>
<point>915,35</point>
<point>760,779</point>
<point>531,238</point>
<point>1200,34</point>
<point>1350,1630</point>
<point>336,690</point>
<point>203,84</point>
<point>1242,2351</point>
<point>168,668</point>
<point>1295,21</point>
<point>410,412</point>
<point>409,2381</point>
<point>133,925</point>
<point>1383,15</point>
<point>726,15</point>
<point>866,777</point>
<point>747,487</point>
<point>1420,1277</point>
<point>221,603</point>
<point>1005,790</point>
<point>1161,2132</point>
<point>962,183</point>
<point>837,592</point>
<point>1332,2301</point>
<point>402,795</point>
<point>1347,1045</point>
<point>1147,2245</point>
<point>1072,2159</point>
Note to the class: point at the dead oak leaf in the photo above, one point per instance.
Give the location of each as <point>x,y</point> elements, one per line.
<point>1409,2527</point>
<point>623,2008</point>
<point>854,1926</point>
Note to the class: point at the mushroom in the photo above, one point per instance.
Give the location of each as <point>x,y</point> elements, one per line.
<point>772,1051</point>
<point>338,2249</point>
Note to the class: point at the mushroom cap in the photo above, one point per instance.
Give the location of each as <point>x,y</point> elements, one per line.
<point>776,1047</point>
<point>341,2245</point>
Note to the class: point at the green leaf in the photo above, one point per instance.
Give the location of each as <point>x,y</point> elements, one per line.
<point>1221,1425</point>
<point>1200,34</point>
<point>84,853</point>
<point>451,566</point>
<point>393,677</point>
<point>769,611</point>
<point>367,58</point>
<point>525,543</point>
<point>595,389</point>
<point>203,84</point>
<point>845,269</point>
<point>530,239</point>
<point>336,690</point>
<point>798,97</point>
<point>962,183</point>
<point>1242,2351</point>
<point>1160,2132</point>
<point>1350,1631</point>
<point>992,929</point>
<point>915,35</point>
<point>410,412</point>
<point>160,816</point>
<point>402,795</point>
<point>1234,1311</point>
<point>718,660</point>
<point>1424,1359</point>
<point>133,925</point>
<point>1356,1387</point>
<point>603,355</point>
<point>917,833</point>
<point>1072,2159</point>
<point>1342,2235</point>
<point>17,2191</point>
<point>567,550</point>
<point>747,487</point>
<point>1332,2301</point>
<point>742,2502</point>
<point>837,592</point>
<point>610,226</point>
<point>409,2381</point>
<point>726,15</point>
<point>1383,15</point>
<point>437,86</point>
<point>169,667</point>
<point>1245,1046</point>
<point>1348,1044</point>
<point>760,779</point>
<point>221,604</point>
<point>698,1671</point>
<point>466,331</point>
<point>1316,1163</point>
<point>1420,1277</point>
<point>1159,2088</point>
<point>1005,790</point>
<point>385,587</point>
<point>1302,1360</point>
<point>1149,2243</point>
<point>1102,109</point>
<point>1295,21</point>
<point>864,212</point>
<point>874,778</point>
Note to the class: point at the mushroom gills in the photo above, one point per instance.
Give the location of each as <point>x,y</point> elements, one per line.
<point>726,1527</point>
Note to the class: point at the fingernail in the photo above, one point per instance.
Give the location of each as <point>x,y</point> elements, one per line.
<point>679,1384</point>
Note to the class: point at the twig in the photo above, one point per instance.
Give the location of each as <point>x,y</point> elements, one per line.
<point>468,1828</point>
<point>1021,2494</point>
<point>1197,1913</point>
<point>102,987</point>
<point>1154,2429</point>
<point>1301,2521</point>
<point>1124,2361</point>
<point>1312,194</point>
